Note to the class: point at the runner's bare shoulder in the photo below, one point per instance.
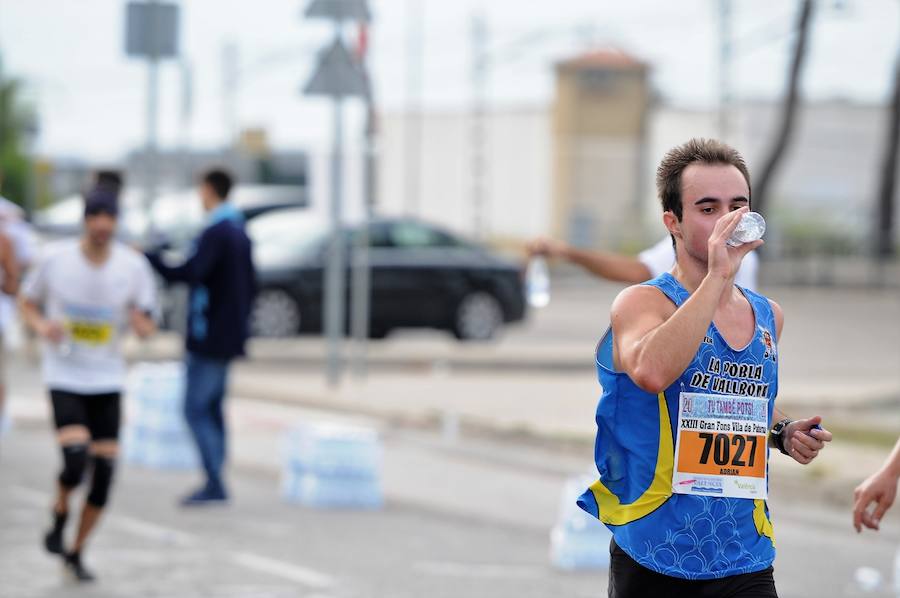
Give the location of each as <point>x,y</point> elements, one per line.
<point>639,306</point>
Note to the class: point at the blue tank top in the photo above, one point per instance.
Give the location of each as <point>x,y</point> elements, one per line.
<point>685,536</point>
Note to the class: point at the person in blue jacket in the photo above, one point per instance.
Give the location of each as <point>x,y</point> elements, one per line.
<point>689,370</point>
<point>222,284</point>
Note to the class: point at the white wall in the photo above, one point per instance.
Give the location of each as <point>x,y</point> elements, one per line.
<point>518,161</point>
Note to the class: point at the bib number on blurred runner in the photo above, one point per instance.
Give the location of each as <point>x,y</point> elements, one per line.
<point>90,333</point>
<point>720,448</point>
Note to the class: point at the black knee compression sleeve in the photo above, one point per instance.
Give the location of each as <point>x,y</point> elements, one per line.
<point>103,473</point>
<point>74,463</point>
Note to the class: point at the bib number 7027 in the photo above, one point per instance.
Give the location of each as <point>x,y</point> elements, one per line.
<point>719,446</point>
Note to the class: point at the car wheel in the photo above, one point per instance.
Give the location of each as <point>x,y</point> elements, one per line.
<point>378,332</point>
<point>478,317</point>
<point>275,314</point>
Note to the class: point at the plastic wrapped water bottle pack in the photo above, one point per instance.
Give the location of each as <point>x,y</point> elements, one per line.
<point>156,434</point>
<point>333,466</point>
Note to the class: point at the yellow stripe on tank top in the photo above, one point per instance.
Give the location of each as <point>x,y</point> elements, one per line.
<point>763,525</point>
<point>614,512</point>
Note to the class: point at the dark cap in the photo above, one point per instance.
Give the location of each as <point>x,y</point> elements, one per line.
<point>101,200</point>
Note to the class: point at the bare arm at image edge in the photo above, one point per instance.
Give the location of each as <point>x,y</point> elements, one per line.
<point>9,266</point>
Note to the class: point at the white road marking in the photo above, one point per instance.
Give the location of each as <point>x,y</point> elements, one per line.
<point>153,532</point>
<point>31,496</point>
<point>479,570</point>
<point>132,525</point>
<point>165,535</point>
<point>289,571</point>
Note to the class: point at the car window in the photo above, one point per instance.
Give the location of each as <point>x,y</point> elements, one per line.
<point>284,236</point>
<point>410,235</point>
<point>379,236</point>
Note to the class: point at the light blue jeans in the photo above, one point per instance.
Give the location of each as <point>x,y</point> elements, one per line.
<point>203,409</point>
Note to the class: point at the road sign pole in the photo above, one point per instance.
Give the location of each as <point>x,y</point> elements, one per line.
<point>152,120</point>
<point>334,291</point>
<point>337,76</point>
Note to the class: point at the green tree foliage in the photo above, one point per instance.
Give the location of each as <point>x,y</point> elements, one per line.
<point>14,119</point>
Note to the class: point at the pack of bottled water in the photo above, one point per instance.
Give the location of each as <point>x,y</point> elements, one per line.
<point>156,434</point>
<point>578,540</point>
<point>332,466</point>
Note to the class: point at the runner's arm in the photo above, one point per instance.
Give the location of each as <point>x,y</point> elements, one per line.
<point>654,349</point>
<point>9,265</point>
<point>34,319</point>
<point>142,322</point>
<point>879,488</point>
<point>611,266</point>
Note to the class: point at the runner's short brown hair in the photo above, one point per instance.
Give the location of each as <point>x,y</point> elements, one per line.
<point>705,151</point>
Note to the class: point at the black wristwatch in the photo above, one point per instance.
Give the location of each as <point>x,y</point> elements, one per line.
<point>777,434</point>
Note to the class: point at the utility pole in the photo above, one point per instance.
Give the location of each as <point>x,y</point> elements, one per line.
<point>361,282</point>
<point>151,34</point>
<point>186,115</point>
<point>230,83</point>
<point>725,66</point>
<point>413,125</point>
<point>152,107</point>
<point>478,133</point>
<point>338,76</point>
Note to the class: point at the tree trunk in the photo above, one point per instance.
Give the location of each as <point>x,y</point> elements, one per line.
<point>789,110</point>
<point>884,215</point>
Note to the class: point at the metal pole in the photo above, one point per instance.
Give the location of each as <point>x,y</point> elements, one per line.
<point>415,66</point>
<point>334,272</point>
<point>361,264</point>
<point>31,189</point>
<point>32,196</point>
<point>478,132</point>
<point>230,89</point>
<point>152,109</point>
<point>725,65</point>
<point>187,105</point>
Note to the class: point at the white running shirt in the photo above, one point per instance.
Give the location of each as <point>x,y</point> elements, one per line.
<point>93,303</point>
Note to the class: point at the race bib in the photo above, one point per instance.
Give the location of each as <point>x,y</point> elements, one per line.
<point>721,446</point>
<point>90,333</point>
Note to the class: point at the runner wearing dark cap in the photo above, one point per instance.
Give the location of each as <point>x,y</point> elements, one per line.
<point>81,298</point>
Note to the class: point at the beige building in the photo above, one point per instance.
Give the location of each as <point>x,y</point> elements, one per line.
<point>599,136</point>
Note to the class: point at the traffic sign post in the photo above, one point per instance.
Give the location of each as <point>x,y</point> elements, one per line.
<point>337,76</point>
<point>151,33</point>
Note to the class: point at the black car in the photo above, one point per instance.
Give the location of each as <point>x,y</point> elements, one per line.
<point>421,277</point>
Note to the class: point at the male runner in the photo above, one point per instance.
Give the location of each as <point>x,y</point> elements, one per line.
<point>689,375</point>
<point>81,298</point>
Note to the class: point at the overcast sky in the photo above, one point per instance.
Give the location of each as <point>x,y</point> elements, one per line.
<point>91,98</point>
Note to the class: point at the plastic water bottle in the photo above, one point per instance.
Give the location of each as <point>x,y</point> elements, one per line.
<point>537,282</point>
<point>578,540</point>
<point>896,575</point>
<point>868,579</point>
<point>751,228</point>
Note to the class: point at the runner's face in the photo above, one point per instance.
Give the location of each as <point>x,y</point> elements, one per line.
<point>100,229</point>
<point>708,192</point>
